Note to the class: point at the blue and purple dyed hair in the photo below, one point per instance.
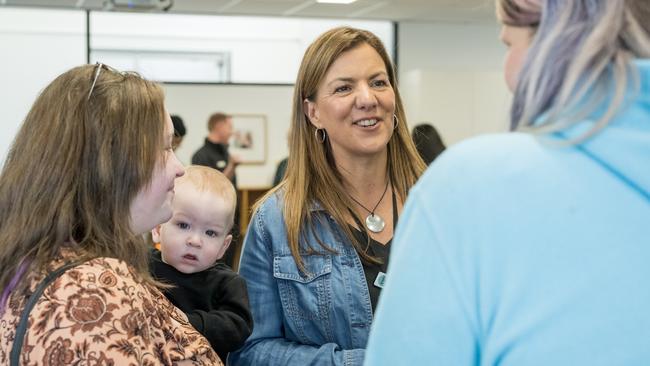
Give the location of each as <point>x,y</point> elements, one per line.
<point>6,292</point>
<point>579,59</point>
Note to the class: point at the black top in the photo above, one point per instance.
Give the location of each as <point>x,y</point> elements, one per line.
<point>215,156</point>
<point>215,302</point>
<point>379,251</point>
<point>279,171</point>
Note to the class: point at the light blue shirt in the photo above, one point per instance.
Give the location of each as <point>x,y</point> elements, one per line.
<point>515,251</point>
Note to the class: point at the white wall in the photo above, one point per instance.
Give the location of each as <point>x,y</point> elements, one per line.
<point>37,45</point>
<point>261,49</point>
<point>451,77</point>
<point>195,103</point>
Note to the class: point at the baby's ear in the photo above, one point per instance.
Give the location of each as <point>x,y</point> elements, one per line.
<point>155,234</point>
<point>226,243</point>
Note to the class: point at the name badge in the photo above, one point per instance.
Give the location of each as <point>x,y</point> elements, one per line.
<point>380,280</point>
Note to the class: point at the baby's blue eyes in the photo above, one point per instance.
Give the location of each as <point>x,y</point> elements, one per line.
<point>186,226</point>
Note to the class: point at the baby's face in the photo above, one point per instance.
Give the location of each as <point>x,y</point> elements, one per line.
<point>195,237</point>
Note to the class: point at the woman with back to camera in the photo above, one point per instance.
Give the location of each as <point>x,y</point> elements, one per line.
<point>536,241</point>
<point>90,171</point>
<point>315,254</point>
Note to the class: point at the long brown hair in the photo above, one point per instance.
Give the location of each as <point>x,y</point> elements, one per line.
<point>74,168</point>
<point>311,174</point>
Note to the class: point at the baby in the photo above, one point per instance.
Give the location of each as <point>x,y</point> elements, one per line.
<point>213,297</point>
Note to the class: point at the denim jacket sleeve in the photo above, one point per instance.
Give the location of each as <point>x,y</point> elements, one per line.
<point>269,344</point>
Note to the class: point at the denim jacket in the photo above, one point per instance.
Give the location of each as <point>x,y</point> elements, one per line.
<point>322,318</point>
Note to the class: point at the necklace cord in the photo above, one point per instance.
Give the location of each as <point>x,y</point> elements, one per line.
<point>372,213</point>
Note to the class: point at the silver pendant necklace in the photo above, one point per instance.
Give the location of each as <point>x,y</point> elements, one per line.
<point>374,222</point>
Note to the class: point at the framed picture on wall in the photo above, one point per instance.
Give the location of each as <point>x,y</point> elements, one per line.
<point>248,140</point>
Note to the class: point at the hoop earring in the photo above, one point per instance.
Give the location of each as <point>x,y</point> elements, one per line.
<point>320,137</point>
<point>395,121</point>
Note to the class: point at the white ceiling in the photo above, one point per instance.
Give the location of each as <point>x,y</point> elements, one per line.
<point>463,11</point>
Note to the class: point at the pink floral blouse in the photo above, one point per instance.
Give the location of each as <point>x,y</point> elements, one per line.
<point>98,314</point>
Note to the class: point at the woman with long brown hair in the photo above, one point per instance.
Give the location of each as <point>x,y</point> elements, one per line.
<point>91,169</point>
<point>317,247</point>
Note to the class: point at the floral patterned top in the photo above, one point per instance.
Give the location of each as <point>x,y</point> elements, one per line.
<point>98,313</point>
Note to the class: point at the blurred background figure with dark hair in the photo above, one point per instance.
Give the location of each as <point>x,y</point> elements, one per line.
<point>179,131</point>
<point>214,153</point>
<point>428,142</point>
<point>280,170</point>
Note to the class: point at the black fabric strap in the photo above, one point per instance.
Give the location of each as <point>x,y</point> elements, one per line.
<point>31,302</point>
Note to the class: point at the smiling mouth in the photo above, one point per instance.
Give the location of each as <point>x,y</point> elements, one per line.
<point>366,122</point>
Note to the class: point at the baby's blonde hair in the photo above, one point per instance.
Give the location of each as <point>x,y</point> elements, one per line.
<point>206,179</point>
